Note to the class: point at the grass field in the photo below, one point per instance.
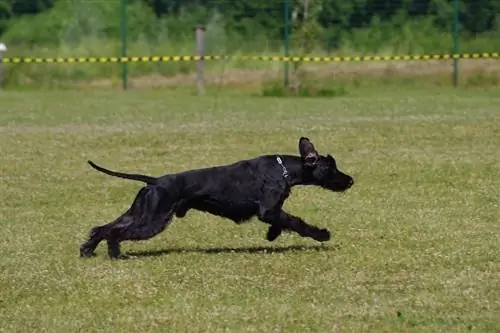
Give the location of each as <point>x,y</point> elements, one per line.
<point>415,242</point>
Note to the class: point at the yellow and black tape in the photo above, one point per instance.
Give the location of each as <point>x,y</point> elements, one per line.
<point>73,60</point>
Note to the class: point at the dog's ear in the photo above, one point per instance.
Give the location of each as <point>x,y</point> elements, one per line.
<point>307,151</point>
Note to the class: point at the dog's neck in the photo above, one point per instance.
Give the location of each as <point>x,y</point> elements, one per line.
<point>292,170</point>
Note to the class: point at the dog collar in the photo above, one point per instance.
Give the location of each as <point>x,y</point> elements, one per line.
<point>280,162</point>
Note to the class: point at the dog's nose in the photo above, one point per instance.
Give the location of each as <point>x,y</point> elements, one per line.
<point>351,182</point>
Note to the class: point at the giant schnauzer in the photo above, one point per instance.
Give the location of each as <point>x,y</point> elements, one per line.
<point>256,187</point>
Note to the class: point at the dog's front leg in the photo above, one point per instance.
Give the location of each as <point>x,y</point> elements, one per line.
<point>295,223</point>
<point>273,232</point>
<point>269,212</point>
<point>281,220</point>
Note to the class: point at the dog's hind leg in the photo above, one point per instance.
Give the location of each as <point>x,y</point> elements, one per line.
<point>95,237</point>
<point>150,213</point>
<point>99,233</point>
<point>182,208</point>
<point>140,229</point>
<point>147,217</point>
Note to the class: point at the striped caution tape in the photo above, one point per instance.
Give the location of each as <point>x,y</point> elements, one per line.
<point>70,60</point>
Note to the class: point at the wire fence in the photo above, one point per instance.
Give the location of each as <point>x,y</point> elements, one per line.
<point>240,34</point>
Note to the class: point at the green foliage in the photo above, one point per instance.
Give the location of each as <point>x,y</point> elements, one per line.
<point>27,7</point>
<point>306,28</point>
<point>246,18</point>
<point>84,28</point>
<point>482,79</point>
<point>481,15</point>
<point>306,31</point>
<point>308,88</point>
<point>5,14</point>
<point>70,21</point>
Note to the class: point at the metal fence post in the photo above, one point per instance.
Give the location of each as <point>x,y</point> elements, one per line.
<point>123,30</point>
<point>456,40</point>
<point>200,49</point>
<point>286,41</point>
<point>3,48</point>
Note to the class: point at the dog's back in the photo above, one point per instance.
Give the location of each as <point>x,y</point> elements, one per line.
<point>233,191</point>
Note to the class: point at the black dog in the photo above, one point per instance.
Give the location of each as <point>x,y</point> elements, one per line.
<point>255,187</point>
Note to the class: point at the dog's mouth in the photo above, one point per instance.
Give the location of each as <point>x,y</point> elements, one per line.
<point>339,186</point>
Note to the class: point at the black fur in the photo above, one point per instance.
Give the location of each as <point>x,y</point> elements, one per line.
<point>256,187</point>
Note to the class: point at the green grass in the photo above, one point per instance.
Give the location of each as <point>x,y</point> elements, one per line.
<point>418,234</point>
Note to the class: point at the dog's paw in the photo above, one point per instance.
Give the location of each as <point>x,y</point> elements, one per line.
<point>323,235</point>
<point>273,233</point>
<point>86,253</point>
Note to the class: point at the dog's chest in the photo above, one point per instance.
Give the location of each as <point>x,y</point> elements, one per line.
<point>236,210</point>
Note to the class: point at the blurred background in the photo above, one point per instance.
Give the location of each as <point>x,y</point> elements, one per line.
<point>82,28</point>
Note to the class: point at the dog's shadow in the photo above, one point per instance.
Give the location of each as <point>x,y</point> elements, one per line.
<point>248,250</point>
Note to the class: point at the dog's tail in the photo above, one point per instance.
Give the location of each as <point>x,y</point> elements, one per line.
<point>142,178</point>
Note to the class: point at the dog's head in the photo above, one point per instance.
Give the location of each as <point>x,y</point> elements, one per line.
<point>322,170</point>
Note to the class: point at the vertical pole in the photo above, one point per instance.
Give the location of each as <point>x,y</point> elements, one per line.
<point>200,49</point>
<point>286,40</point>
<point>456,39</point>
<point>3,49</point>
<point>123,30</point>
<point>1,71</point>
